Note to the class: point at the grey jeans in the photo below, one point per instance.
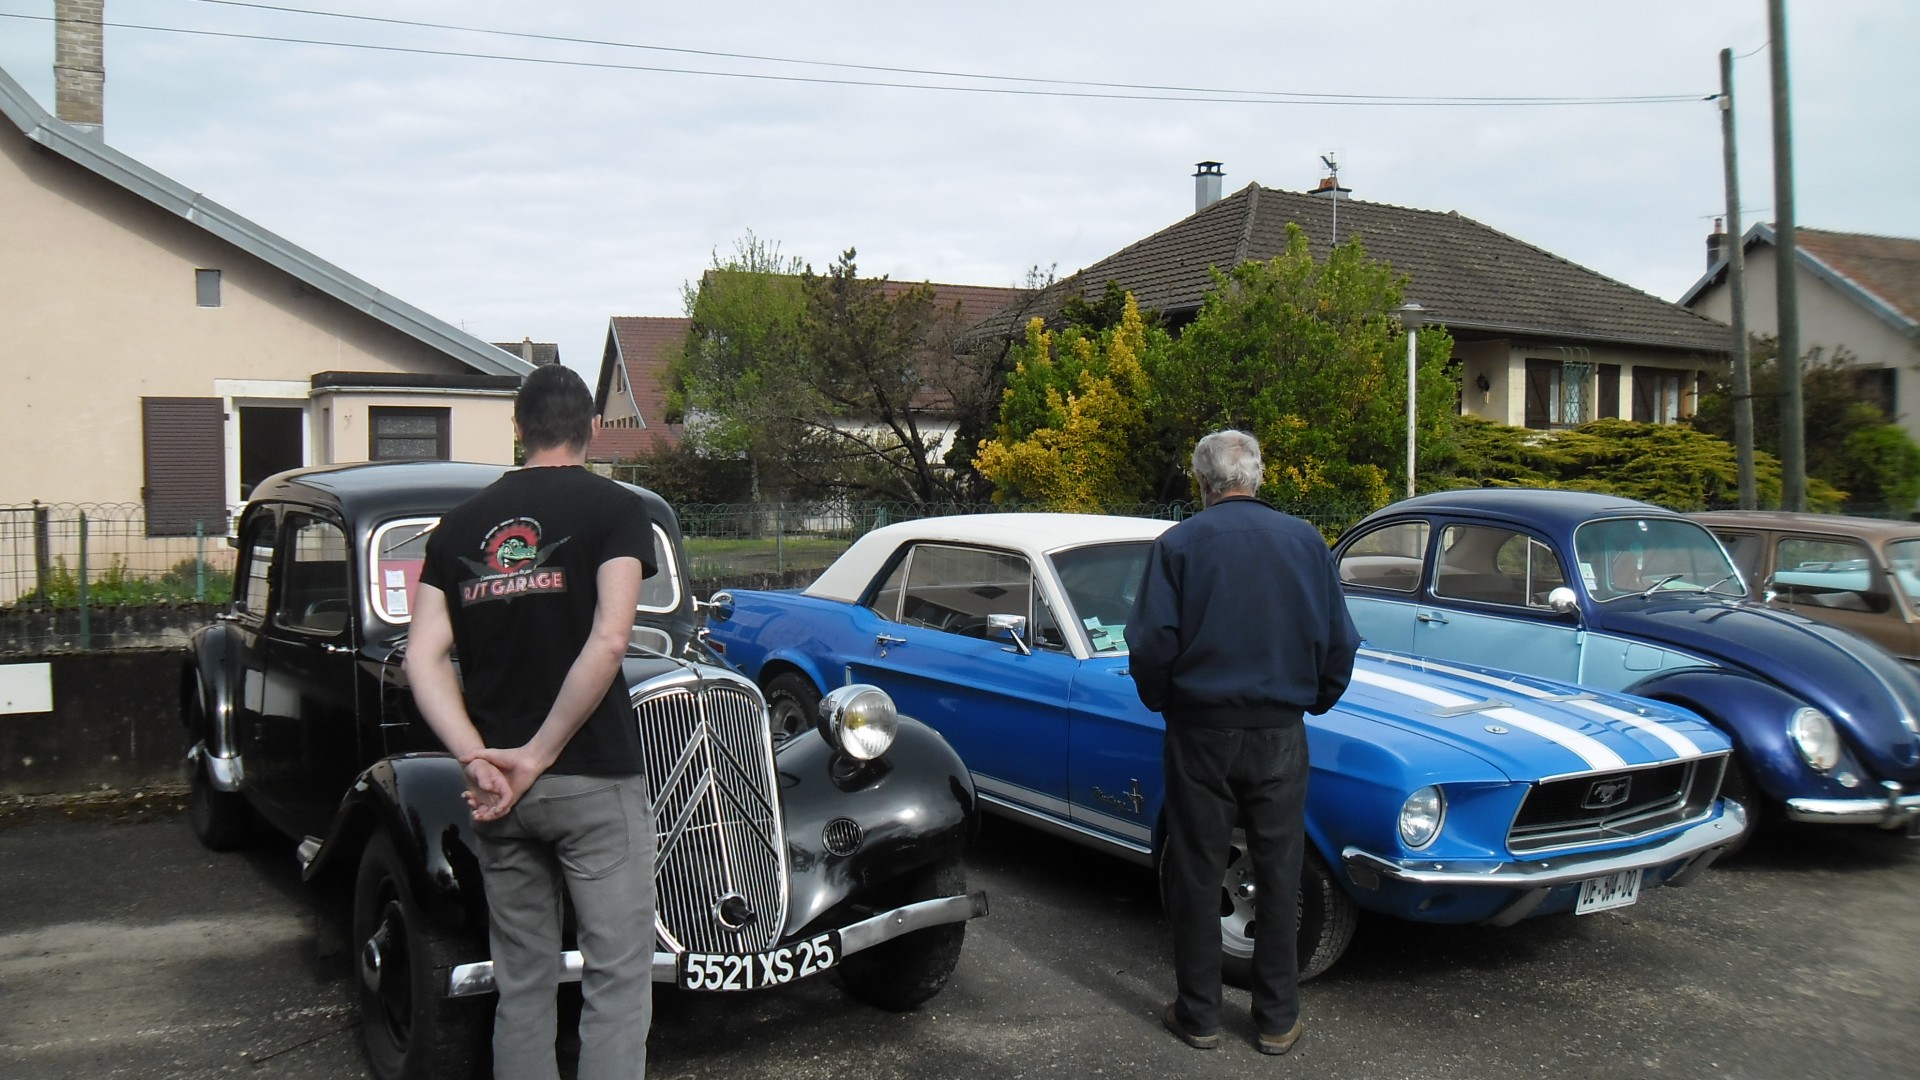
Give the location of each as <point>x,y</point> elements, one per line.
<point>594,837</point>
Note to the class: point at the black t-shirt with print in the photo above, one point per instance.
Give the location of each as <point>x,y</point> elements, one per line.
<point>518,564</point>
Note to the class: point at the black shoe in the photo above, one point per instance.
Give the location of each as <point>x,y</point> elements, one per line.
<point>1171,1018</point>
<point>1280,1044</point>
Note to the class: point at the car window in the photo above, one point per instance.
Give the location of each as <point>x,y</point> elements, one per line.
<point>1386,558</point>
<point>1101,581</point>
<point>256,564</point>
<point>1484,564</point>
<point>314,590</point>
<point>1903,558</point>
<point>955,589</point>
<point>1629,556</point>
<point>1830,572</point>
<point>886,599</point>
<point>1746,550</point>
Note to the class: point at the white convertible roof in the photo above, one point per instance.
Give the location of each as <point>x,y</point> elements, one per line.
<point>1034,535</point>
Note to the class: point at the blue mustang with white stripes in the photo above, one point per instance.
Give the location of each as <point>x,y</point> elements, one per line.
<point>1439,792</point>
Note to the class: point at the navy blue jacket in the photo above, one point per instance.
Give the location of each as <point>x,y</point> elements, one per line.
<point>1240,621</point>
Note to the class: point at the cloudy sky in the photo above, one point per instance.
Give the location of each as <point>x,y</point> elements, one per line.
<point>532,169</point>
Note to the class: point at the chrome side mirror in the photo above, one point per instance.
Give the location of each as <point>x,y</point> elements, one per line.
<point>720,607</point>
<point>1009,626</point>
<point>1563,600</point>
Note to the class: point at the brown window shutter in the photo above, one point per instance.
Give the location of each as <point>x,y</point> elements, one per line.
<point>186,480</point>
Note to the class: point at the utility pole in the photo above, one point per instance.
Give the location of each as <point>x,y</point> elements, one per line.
<point>1793,436</point>
<point>1737,284</point>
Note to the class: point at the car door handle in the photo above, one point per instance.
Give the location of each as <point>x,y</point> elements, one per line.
<point>888,641</point>
<point>338,650</point>
<point>1431,617</point>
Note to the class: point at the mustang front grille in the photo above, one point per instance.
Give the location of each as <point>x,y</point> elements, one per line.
<point>720,879</point>
<point>1596,807</point>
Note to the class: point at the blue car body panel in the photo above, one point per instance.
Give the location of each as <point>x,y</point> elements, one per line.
<point>1692,642</point>
<point>1061,739</point>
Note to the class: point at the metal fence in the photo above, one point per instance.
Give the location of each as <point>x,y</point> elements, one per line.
<point>77,555</point>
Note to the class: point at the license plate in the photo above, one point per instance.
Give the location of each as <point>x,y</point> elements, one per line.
<point>755,971</point>
<point>1611,891</point>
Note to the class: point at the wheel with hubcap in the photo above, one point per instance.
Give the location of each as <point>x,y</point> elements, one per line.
<point>792,705</point>
<point>1325,922</point>
<point>410,1029</point>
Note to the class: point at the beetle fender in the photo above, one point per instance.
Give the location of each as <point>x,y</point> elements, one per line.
<point>1753,714</point>
<point>913,806</point>
<point>416,799</point>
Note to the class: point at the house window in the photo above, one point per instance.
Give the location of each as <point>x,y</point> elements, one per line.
<point>397,433</point>
<point>206,288</point>
<point>1559,394</point>
<point>1609,396</point>
<point>1875,387</point>
<point>1661,395</point>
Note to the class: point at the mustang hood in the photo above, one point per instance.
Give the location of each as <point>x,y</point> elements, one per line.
<point>1856,682</point>
<point>1524,727</point>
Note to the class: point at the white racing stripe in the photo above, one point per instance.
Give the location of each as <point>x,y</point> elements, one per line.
<point>1595,753</point>
<point>1679,743</point>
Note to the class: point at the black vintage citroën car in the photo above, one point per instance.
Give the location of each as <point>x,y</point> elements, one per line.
<point>833,851</point>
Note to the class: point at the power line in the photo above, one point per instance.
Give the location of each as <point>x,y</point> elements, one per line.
<point>1198,95</point>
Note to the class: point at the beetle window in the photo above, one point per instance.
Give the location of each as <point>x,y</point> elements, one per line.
<point>1629,556</point>
<point>313,591</point>
<point>1483,564</point>
<point>250,597</point>
<point>1386,558</point>
<point>1833,573</point>
<point>955,589</point>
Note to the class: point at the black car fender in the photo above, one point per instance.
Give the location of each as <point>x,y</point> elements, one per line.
<point>416,800</point>
<point>909,808</point>
<point>207,688</point>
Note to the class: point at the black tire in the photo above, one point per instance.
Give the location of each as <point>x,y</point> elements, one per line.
<point>221,819</point>
<point>410,1030</point>
<point>1325,921</point>
<point>908,970</point>
<point>792,705</point>
<point>1762,812</point>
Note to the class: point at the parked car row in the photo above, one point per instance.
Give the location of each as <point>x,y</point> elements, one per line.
<point>1565,700</point>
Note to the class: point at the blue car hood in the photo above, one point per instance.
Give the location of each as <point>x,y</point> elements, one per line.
<point>1862,686</point>
<point>1527,728</point>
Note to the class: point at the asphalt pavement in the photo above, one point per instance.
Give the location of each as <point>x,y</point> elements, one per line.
<point>128,951</point>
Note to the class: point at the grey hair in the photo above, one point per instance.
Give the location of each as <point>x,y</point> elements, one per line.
<point>1228,462</point>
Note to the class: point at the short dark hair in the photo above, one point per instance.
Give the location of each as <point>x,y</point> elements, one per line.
<point>554,409</point>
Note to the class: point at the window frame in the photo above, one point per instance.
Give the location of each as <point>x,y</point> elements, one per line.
<point>442,416</point>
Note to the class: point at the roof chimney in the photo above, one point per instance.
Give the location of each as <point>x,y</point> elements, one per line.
<point>1716,244</point>
<point>1330,188</point>
<point>1206,184</point>
<point>79,65</point>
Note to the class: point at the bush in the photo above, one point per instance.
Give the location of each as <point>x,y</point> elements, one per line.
<point>116,586</point>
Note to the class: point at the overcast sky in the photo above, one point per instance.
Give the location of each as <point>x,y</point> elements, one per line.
<point>538,199</point>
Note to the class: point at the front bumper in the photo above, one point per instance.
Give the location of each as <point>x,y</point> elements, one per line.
<point>468,980</point>
<point>1896,808</point>
<point>1697,846</point>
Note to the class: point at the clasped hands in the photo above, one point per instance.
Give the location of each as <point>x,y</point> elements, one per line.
<point>496,778</point>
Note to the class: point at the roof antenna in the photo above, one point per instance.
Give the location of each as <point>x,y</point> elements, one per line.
<point>1333,168</point>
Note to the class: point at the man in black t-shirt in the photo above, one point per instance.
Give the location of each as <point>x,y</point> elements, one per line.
<point>535,579</point>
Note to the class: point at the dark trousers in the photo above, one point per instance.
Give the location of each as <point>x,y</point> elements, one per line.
<point>1217,778</point>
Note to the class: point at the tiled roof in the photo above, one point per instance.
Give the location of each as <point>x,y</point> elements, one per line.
<point>1466,275</point>
<point>1886,266</point>
<point>641,345</point>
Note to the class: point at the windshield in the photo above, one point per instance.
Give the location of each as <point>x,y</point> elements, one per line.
<point>1641,556</point>
<point>1903,558</point>
<point>1100,582</point>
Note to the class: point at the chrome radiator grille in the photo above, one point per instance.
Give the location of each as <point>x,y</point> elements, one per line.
<point>720,879</point>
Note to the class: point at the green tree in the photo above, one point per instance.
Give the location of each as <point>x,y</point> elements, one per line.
<point>1851,445</point>
<point>730,384</point>
<point>1309,357</point>
<point>1074,410</point>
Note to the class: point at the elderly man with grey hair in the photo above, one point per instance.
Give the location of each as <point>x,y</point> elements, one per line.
<point>1238,631</point>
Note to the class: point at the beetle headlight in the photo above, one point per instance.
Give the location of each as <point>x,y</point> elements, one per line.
<point>859,720</point>
<point>1421,815</point>
<point>1813,735</point>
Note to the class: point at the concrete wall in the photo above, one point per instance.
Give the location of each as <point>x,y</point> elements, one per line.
<point>113,723</point>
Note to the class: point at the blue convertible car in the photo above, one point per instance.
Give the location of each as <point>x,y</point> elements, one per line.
<point>1616,594</point>
<point>1438,795</point>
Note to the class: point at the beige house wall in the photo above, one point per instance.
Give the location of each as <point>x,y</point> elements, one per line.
<point>101,311</point>
<point>482,422</point>
<point>1830,320</point>
<point>1504,364</point>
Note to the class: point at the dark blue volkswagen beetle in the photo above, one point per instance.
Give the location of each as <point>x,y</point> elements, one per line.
<point>1623,595</point>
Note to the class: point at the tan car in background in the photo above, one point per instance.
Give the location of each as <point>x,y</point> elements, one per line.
<point>1860,574</point>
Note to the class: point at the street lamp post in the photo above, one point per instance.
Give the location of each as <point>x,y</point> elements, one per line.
<point>1410,313</point>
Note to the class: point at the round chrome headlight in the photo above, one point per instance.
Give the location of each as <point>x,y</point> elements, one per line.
<point>860,720</point>
<point>1814,736</point>
<point>1421,815</point>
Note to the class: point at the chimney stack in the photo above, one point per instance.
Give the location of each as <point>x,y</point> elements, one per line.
<point>79,65</point>
<point>1206,184</point>
<point>1330,188</point>
<point>1716,244</point>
